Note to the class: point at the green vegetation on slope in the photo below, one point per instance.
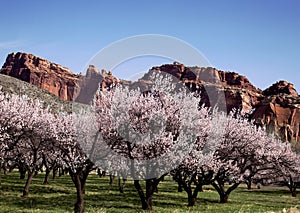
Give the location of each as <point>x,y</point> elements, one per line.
<point>11,85</point>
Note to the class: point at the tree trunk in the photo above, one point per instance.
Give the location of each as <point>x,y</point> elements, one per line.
<point>55,170</point>
<point>140,193</point>
<point>3,166</point>
<point>22,172</point>
<point>121,183</point>
<point>195,194</point>
<point>224,195</point>
<point>100,173</point>
<point>192,196</point>
<point>62,172</point>
<point>200,188</point>
<point>199,184</point>
<point>36,173</point>
<point>47,176</point>
<point>111,180</point>
<point>224,198</point>
<point>150,188</point>
<point>146,203</point>
<point>5,170</point>
<point>28,182</point>
<point>79,179</point>
<point>179,189</point>
<point>149,203</point>
<point>186,185</point>
<point>10,169</point>
<point>249,184</point>
<point>191,199</point>
<point>292,187</point>
<point>83,181</point>
<point>79,205</point>
<point>293,191</point>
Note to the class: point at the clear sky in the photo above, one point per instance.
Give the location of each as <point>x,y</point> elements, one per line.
<point>257,38</point>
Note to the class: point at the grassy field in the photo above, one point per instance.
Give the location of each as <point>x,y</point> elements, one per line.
<point>59,196</point>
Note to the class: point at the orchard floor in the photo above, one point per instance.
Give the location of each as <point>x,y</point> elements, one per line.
<point>59,196</point>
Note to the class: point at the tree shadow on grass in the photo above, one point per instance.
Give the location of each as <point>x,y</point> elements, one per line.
<point>63,202</point>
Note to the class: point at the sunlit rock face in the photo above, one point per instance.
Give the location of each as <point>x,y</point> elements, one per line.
<point>279,111</point>
<point>52,77</point>
<point>277,108</point>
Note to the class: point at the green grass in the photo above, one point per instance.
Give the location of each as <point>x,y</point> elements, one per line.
<point>59,196</point>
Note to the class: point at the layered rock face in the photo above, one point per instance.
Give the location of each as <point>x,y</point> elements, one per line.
<point>279,111</point>
<point>277,108</point>
<point>216,86</point>
<point>88,85</point>
<point>52,77</point>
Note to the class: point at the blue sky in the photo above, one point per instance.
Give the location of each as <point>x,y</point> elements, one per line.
<point>257,38</point>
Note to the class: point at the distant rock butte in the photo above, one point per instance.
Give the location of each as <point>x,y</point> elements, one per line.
<point>278,107</point>
<point>279,111</point>
<point>238,91</point>
<point>52,77</point>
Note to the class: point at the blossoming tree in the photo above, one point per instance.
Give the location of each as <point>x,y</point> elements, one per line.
<point>146,133</point>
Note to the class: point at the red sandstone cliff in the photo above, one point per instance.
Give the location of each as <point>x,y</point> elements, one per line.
<point>279,111</point>
<point>277,108</point>
<point>239,92</point>
<point>52,77</point>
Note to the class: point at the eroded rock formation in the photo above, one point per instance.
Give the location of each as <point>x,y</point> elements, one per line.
<point>238,91</point>
<point>277,108</point>
<point>52,77</point>
<point>279,111</point>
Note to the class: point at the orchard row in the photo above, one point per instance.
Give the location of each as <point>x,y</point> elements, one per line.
<point>144,136</point>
